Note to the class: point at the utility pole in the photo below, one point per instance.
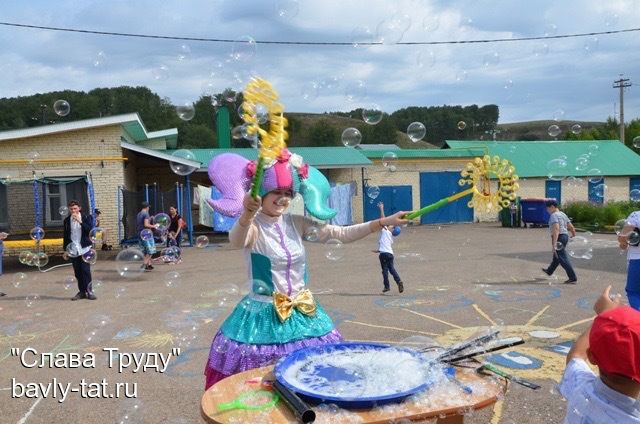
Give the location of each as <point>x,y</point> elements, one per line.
<point>621,84</point>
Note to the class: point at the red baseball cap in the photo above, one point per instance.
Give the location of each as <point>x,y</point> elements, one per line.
<point>614,342</point>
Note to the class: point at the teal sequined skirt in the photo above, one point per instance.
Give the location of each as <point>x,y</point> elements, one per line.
<point>256,322</point>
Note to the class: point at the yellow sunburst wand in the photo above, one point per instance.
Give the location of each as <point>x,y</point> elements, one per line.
<point>259,96</point>
<point>478,174</point>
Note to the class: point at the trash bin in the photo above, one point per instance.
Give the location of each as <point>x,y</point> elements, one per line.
<point>510,216</point>
<point>534,211</point>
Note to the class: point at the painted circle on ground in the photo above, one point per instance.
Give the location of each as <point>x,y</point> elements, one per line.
<point>544,334</point>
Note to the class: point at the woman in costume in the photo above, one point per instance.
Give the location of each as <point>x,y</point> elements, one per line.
<point>279,315</point>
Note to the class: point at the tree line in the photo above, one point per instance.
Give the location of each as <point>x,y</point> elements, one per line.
<point>441,122</point>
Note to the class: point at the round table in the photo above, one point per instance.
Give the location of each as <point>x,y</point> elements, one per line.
<point>435,402</point>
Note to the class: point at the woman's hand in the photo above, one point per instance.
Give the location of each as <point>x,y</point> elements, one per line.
<point>395,219</point>
<point>250,204</point>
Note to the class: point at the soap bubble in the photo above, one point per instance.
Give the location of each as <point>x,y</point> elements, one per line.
<point>229,95</point>
<point>557,169</point>
<point>633,237</point>
<point>63,211</point>
<point>32,300</point>
<point>311,234</point>
<point>582,163</point>
<point>96,234</point>
<point>172,279</point>
<point>462,125</point>
<point>600,190</point>
<point>36,233</point>
<point>559,246</point>
<point>33,156</point>
<point>186,111</point>
<point>355,91</point>
<point>179,168</point>
<point>351,137</point>
<point>130,262</point>
<point>416,131</point>
<point>160,72</point>
<point>634,195</point>
<point>636,142</point>
<point>362,37</point>
<point>334,250</point>
<point>287,9</point>
<point>580,247</point>
<point>184,52</point>
<point>489,59</point>
<point>390,160</point>
<point>558,115</point>
<point>99,59</point>
<point>25,257</point>
<point>373,191</point>
<point>392,29</point>
<point>618,227</point>
<point>40,259</point>
<point>202,241</point>
<point>130,411</point>
<point>146,234</point>
<point>162,220</point>
<point>309,91</point>
<point>19,279</point>
<point>594,149</point>
<point>61,107</point>
<point>554,130</point>
<point>70,282</point>
<point>90,256</point>
<point>243,49</point>
<point>595,176</point>
<point>576,129</point>
<point>372,115</point>
<point>120,292</point>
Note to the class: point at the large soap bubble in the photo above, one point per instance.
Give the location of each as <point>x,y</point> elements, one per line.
<point>180,168</point>
<point>130,262</point>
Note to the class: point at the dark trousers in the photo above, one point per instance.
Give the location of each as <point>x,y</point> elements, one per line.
<point>561,258</point>
<point>386,262</point>
<point>82,271</point>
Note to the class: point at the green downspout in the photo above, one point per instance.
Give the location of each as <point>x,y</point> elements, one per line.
<point>224,128</point>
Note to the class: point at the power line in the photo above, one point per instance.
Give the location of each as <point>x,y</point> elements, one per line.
<point>315,43</point>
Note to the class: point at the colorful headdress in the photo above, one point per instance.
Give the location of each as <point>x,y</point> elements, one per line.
<point>232,175</point>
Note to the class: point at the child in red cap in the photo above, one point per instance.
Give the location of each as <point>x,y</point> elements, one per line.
<point>613,345</point>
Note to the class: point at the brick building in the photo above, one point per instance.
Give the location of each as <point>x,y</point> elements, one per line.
<point>65,159</point>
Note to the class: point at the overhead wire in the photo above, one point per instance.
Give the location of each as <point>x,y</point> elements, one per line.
<point>316,43</point>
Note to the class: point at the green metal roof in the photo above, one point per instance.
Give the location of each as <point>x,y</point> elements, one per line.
<point>426,153</point>
<point>320,157</point>
<point>531,158</point>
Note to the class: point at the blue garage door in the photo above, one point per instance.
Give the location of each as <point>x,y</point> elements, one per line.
<point>634,183</point>
<point>438,185</point>
<point>595,194</point>
<point>395,198</point>
<point>553,190</point>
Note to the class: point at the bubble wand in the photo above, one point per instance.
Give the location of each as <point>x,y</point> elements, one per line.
<point>478,174</point>
<point>260,95</point>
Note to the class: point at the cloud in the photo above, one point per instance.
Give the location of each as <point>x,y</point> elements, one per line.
<point>528,80</point>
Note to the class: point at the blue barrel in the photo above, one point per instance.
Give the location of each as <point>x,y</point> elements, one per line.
<point>534,211</point>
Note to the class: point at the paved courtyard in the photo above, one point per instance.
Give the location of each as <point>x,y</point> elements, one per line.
<point>458,279</point>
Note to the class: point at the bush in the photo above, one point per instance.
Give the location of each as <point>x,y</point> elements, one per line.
<point>597,217</point>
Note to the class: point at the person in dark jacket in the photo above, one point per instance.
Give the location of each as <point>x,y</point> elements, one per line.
<point>76,243</point>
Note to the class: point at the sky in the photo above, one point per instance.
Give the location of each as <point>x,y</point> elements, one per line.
<point>567,78</point>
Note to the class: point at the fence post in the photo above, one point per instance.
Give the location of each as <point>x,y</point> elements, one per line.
<point>188,202</point>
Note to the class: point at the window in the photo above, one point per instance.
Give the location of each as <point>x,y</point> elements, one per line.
<point>59,194</point>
